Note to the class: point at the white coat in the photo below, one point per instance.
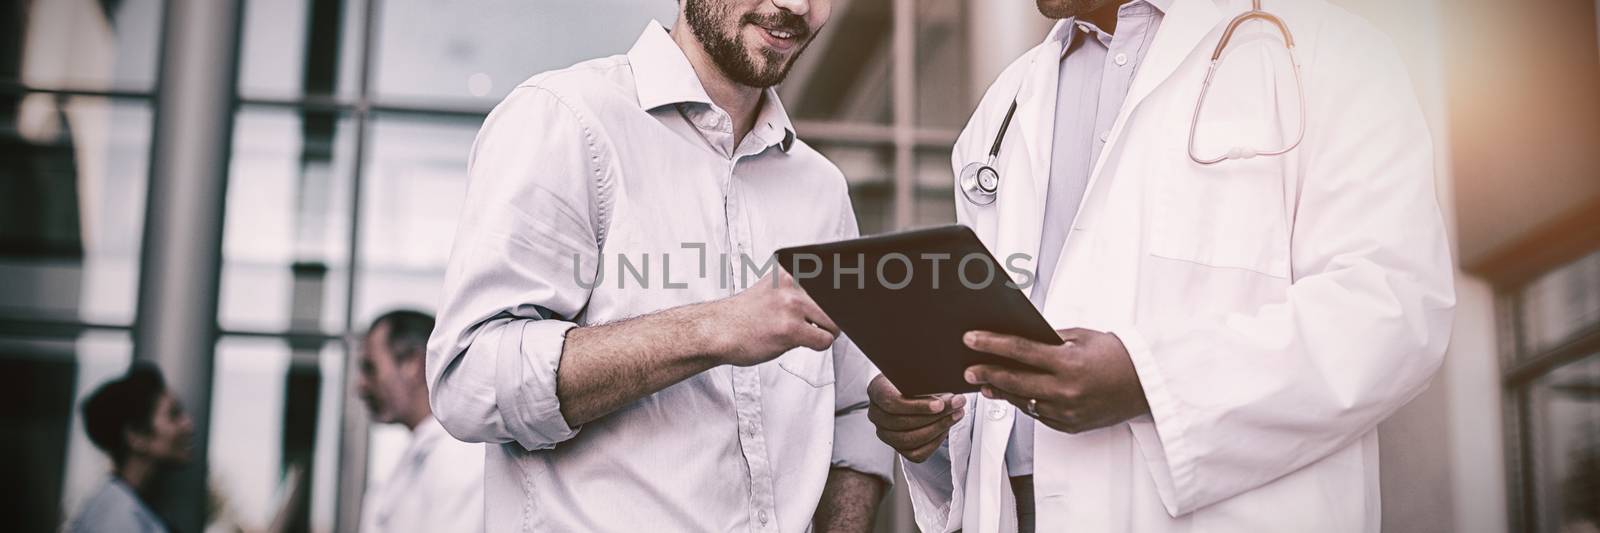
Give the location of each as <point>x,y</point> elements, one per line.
<point>1276,309</point>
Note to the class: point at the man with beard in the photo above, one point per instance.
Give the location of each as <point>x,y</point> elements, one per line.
<point>600,322</point>
<point>437,485</point>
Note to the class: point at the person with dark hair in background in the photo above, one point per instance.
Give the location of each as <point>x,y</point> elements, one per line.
<point>138,423</point>
<point>438,483</point>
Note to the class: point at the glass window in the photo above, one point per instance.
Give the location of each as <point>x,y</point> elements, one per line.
<point>287,237</point>
<point>934,207</point>
<point>72,191</point>
<point>275,410</point>
<point>1560,304</point>
<point>273,58</point>
<point>82,44</point>
<point>1555,392</point>
<point>410,199</point>
<point>935,188</point>
<point>475,51</point>
<point>870,173</point>
<point>845,73</point>
<point>1565,446</point>
<point>942,64</point>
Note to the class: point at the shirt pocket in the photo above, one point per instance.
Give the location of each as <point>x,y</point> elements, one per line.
<point>811,366</point>
<point>1228,215</point>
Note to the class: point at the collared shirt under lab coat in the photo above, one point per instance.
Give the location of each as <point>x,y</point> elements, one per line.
<point>626,158</point>
<point>437,485</point>
<point>1096,70</point>
<point>1276,309</point>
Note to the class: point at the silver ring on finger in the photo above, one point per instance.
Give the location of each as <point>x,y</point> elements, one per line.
<point>1033,407</point>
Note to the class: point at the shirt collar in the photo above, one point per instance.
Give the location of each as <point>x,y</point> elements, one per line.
<point>773,118</point>
<point>661,73</point>
<point>1062,33</point>
<point>663,76</point>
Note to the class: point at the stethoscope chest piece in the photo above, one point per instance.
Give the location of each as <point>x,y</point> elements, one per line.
<point>980,182</point>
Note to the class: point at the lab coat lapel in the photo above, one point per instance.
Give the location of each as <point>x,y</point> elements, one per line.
<point>1025,164</point>
<point>1024,168</point>
<point>1183,28</point>
<point>1036,111</point>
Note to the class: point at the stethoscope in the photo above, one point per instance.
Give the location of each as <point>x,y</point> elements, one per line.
<point>980,181</point>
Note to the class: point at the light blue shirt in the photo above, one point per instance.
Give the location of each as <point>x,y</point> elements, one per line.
<point>1096,70</point>
<point>626,158</point>
<point>115,507</point>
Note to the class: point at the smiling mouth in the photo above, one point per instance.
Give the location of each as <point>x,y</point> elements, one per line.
<point>780,39</point>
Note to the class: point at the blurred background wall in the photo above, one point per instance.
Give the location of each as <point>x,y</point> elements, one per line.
<point>338,170</point>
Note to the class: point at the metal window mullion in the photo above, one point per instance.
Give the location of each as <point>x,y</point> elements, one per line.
<point>904,88</point>
<point>353,422</point>
<point>181,249</point>
<point>10,88</point>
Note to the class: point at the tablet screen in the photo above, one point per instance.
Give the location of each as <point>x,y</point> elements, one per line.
<point>906,299</point>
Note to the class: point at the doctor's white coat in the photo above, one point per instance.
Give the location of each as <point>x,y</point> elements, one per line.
<point>1276,309</point>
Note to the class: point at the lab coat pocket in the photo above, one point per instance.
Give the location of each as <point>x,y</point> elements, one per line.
<point>1230,215</point>
<point>811,366</point>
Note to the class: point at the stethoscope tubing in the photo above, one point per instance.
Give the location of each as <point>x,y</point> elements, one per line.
<point>986,195</point>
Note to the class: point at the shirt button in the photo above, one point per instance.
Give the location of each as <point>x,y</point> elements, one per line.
<point>1104,136</point>
<point>762,517</point>
<point>1121,59</point>
<point>996,414</point>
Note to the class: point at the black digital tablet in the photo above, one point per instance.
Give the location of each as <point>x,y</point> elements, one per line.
<point>907,298</point>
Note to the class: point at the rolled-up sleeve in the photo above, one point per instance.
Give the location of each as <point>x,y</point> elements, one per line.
<point>526,251</point>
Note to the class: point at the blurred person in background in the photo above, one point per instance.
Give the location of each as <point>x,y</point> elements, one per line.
<point>438,483</point>
<point>692,403</point>
<point>136,421</point>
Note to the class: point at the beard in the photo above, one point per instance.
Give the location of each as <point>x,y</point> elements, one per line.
<point>760,69</point>
<point>1060,9</point>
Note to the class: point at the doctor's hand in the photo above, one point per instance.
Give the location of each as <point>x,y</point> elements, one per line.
<point>771,317</point>
<point>915,427</point>
<point>1086,383</point>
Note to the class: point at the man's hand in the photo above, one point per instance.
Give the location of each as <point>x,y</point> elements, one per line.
<point>1087,383</point>
<point>611,365</point>
<point>915,427</point>
<point>771,317</point>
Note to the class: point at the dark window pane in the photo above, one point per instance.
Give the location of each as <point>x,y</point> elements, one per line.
<point>274,62</point>
<point>1560,305</point>
<point>870,171</point>
<point>45,380</point>
<point>844,74</point>
<point>1565,446</point>
<point>935,182</point>
<point>275,407</point>
<point>942,65</point>
<point>72,190</point>
<point>82,44</point>
<point>934,207</point>
<point>474,52</point>
<point>287,235</point>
